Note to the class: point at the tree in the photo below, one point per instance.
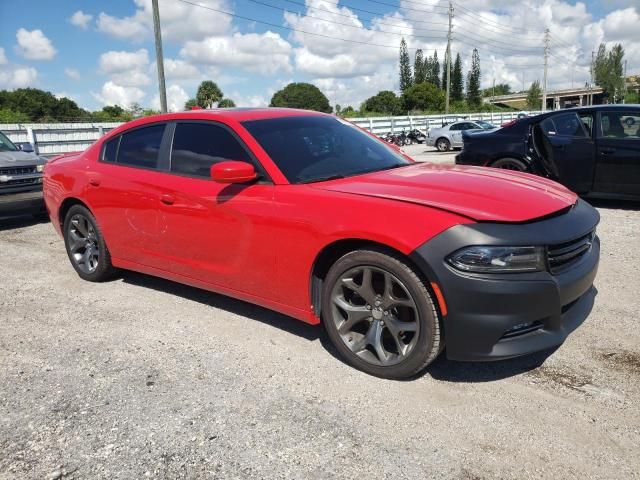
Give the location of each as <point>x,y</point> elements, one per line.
<point>423,96</point>
<point>435,70</point>
<point>473,81</point>
<point>9,116</point>
<point>135,110</point>
<point>419,73</point>
<point>189,104</point>
<point>208,93</point>
<point>608,70</point>
<point>457,81</point>
<point>348,111</point>
<point>39,105</point>
<point>301,95</point>
<point>406,79</point>
<point>385,102</point>
<point>443,83</point>
<point>498,89</point>
<point>226,103</point>
<point>534,96</point>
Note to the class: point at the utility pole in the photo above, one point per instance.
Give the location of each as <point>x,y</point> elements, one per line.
<point>159,57</point>
<point>591,83</point>
<point>547,39</point>
<point>624,83</point>
<point>446,108</point>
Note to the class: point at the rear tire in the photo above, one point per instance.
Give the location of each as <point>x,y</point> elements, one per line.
<point>379,314</point>
<point>443,145</point>
<point>513,164</point>
<point>86,248</point>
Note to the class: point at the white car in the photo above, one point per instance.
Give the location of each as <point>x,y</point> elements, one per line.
<point>450,136</point>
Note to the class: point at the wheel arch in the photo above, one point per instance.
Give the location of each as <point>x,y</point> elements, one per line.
<point>331,252</point>
<point>513,156</point>
<point>66,204</point>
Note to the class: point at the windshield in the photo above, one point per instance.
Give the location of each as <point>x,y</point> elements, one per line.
<point>315,148</point>
<point>485,125</point>
<point>6,145</point>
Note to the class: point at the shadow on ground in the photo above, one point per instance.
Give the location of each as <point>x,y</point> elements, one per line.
<point>442,369</point>
<point>11,223</point>
<point>614,204</point>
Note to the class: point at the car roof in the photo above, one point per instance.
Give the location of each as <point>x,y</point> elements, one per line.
<point>242,114</point>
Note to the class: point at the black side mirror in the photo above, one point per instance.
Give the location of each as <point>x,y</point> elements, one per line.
<point>26,147</point>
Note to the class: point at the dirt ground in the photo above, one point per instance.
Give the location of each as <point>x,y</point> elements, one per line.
<point>142,377</point>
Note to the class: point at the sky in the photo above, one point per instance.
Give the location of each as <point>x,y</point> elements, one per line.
<point>102,53</point>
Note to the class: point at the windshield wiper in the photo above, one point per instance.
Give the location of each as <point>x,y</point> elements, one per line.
<point>322,179</point>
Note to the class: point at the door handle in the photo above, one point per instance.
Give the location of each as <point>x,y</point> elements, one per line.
<point>94,181</point>
<point>606,151</point>
<point>167,199</point>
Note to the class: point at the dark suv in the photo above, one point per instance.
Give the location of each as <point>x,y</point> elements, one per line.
<point>20,179</point>
<point>594,151</point>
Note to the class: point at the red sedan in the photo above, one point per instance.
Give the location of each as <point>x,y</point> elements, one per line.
<point>309,215</point>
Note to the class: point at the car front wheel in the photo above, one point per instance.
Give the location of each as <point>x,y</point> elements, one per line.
<point>443,145</point>
<point>85,245</point>
<point>379,314</point>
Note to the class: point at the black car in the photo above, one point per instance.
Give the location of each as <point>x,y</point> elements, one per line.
<point>594,150</point>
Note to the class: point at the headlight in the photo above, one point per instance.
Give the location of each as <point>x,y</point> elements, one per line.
<point>39,168</point>
<point>485,259</point>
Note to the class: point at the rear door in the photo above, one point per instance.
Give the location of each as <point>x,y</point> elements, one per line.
<point>567,150</point>
<point>618,157</point>
<point>455,133</point>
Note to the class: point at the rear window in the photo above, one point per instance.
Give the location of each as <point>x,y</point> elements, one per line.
<point>141,147</point>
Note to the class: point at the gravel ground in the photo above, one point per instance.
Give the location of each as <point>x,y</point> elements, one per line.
<point>142,377</point>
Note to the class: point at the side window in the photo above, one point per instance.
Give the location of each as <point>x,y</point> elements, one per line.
<point>456,126</point>
<point>140,147</point>
<point>567,125</point>
<point>587,121</point>
<point>620,125</point>
<point>110,150</point>
<point>197,146</point>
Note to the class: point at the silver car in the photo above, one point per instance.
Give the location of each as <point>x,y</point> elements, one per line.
<point>450,136</point>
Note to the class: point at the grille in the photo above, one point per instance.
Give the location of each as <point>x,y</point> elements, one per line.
<point>18,170</point>
<point>564,254</point>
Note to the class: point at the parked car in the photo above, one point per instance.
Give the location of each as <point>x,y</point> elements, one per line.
<point>416,136</point>
<point>450,136</point>
<point>311,216</point>
<point>20,179</point>
<point>593,150</point>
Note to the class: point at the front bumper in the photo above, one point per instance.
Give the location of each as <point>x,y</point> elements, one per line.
<point>21,203</point>
<point>488,314</point>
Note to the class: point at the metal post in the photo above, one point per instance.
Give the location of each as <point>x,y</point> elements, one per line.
<point>448,55</point>
<point>546,64</point>
<point>159,57</point>
<point>591,83</point>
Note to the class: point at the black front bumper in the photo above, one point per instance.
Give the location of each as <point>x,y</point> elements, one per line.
<point>21,203</point>
<point>488,314</point>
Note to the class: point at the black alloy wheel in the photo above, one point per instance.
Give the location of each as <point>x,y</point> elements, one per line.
<point>379,314</point>
<point>85,245</point>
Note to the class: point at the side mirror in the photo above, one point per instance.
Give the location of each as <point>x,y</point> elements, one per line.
<point>232,171</point>
<point>25,147</point>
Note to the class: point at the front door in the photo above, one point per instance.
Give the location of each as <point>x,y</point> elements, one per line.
<point>212,232</point>
<point>618,167</point>
<point>567,150</point>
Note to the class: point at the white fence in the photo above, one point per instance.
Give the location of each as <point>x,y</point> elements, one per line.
<point>53,138</point>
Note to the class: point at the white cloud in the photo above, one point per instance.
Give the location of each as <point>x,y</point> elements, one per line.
<point>18,77</point>
<point>128,69</point>
<point>80,19</point>
<point>176,98</point>
<point>34,45</point>
<point>180,22</point>
<point>179,69</point>
<point>114,94</point>
<point>72,73</point>
<point>245,51</point>
<point>248,100</point>
<point>3,57</point>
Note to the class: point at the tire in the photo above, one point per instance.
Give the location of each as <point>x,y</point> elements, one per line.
<point>443,145</point>
<point>511,164</point>
<point>358,315</point>
<point>85,245</point>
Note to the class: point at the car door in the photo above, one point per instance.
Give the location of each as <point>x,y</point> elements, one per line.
<point>123,196</point>
<point>618,157</point>
<point>566,150</point>
<point>455,134</point>
<point>216,233</point>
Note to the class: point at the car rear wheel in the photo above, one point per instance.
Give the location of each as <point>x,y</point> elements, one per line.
<point>379,315</point>
<point>85,245</point>
<point>443,145</point>
<point>511,164</point>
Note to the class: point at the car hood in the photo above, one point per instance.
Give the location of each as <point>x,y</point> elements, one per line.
<point>479,193</point>
<point>19,159</point>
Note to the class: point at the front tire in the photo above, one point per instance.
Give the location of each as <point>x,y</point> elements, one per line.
<point>443,145</point>
<point>85,245</point>
<point>379,315</point>
<point>513,164</point>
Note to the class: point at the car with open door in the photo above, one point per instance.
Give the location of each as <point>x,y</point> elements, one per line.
<point>594,151</point>
<point>311,216</point>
